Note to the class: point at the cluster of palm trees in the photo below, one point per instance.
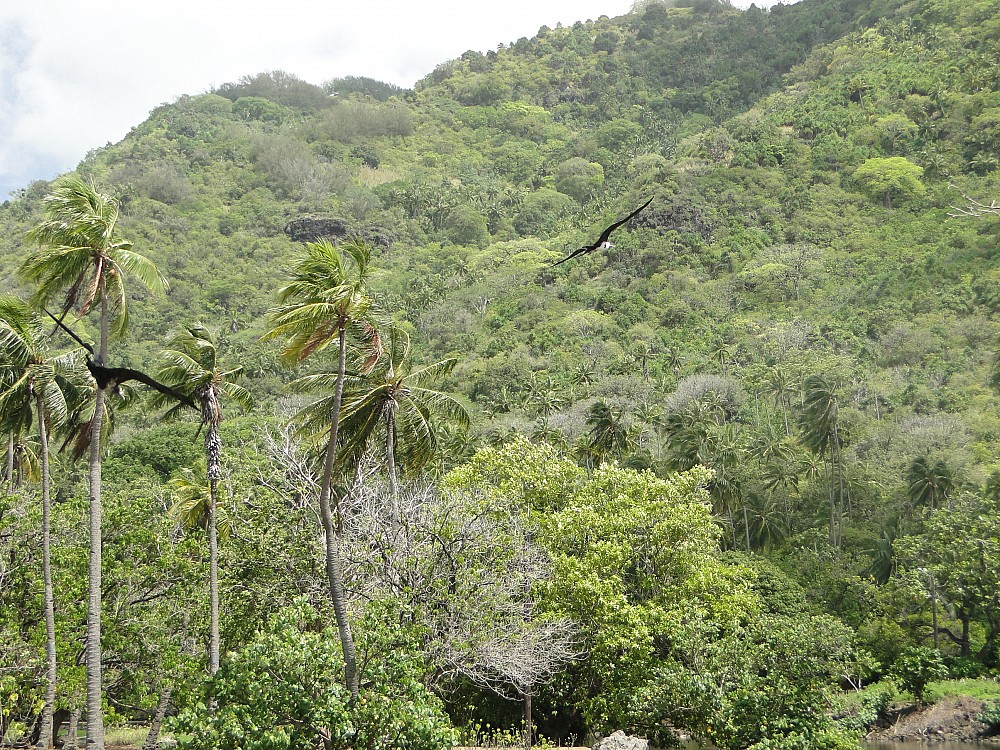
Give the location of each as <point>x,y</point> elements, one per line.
<point>380,402</point>
<point>327,301</point>
<point>81,261</point>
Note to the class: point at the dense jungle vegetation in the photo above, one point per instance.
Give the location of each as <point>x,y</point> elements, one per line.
<point>737,476</point>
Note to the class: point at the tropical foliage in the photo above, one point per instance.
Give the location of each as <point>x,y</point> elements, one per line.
<point>738,461</point>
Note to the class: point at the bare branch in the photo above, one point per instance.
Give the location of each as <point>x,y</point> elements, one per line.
<point>468,570</point>
<point>974,208</point>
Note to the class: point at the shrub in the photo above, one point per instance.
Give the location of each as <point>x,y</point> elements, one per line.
<point>916,667</point>
<point>991,716</point>
<point>284,690</point>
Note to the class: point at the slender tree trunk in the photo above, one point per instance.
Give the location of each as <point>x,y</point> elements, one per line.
<point>934,620</point>
<point>95,711</point>
<point>9,466</point>
<point>965,646</point>
<point>390,461</point>
<point>528,733</point>
<point>333,569</point>
<point>73,729</point>
<point>153,737</point>
<point>46,737</point>
<point>213,464</point>
<point>833,503</point>
<point>213,578</point>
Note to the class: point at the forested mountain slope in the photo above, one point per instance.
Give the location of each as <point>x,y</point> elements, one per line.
<point>766,254</point>
<point>798,309</point>
<point>801,183</point>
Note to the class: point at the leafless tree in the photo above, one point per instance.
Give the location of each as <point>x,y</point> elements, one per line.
<point>974,208</point>
<point>465,570</point>
<point>468,571</point>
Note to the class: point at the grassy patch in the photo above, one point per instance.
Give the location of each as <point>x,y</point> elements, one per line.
<point>981,689</point>
<point>122,737</point>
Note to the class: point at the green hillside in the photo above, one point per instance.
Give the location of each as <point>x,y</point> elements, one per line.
<point>804,309</point>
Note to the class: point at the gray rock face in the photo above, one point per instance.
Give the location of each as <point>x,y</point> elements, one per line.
<point>621,741</point>
<point>312,229</point>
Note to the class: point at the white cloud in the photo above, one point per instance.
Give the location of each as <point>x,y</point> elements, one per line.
<point>74,76</point>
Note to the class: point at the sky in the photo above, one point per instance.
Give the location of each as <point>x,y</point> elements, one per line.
<point>78,75</point>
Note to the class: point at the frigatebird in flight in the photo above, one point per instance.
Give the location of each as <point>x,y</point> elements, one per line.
<point>602,242</point>
<point>113,376</point>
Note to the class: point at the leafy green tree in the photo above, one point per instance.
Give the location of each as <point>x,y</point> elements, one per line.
<point>916,667</point>
<point>578,178</point>
<point>35,382</point>
<point>192,368</point>
<point>960,548</point>
<point>656,558</point>
<point>775,675</point>
<point>83,258</point>
<point>892,178</point>
<point>325,297</point>
<point>466,226</point>
<point>895,129</point>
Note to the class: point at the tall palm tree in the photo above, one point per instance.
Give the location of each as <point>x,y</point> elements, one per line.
<point>609,434</point>
<point>780,387</point>
<point>326,297</point>
<point>33,392</point>
<point>192,368</point>
<point>821,433</point>
<point>82,259</point>
<point>928,482</point>
<point>394,400</point>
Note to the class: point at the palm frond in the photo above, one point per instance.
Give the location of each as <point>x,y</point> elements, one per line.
<point>140,267</point>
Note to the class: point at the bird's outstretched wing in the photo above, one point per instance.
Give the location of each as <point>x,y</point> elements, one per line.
<point>607,232</point>
<point>106,375</point>
<point>124,373</point>
<point>68,330</point>
<point>603,238</point>
<point>581,251</point>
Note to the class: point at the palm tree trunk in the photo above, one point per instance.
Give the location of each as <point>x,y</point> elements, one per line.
<point>73,729</point>
<point>390,461</point>
<point>213,579</point>
<point>9,466</point>
<point>95,711</point>
<point>45,738</point>
<point>833,502</point>
<point>333,570</point>
<point>213,464</point>
<point>153,736</point>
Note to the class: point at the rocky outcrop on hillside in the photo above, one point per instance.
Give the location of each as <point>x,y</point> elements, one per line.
<point>313,229</point>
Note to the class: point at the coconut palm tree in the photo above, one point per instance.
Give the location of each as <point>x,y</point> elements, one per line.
<point>821,434</point>
<point>82,260</point>
<point>780,387</point>
<point>928,482</point>
<point>192,368</point>
<point>33,391</point>
<point>325,298</point>
<point>609,434</point>
<point>394,400</point>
